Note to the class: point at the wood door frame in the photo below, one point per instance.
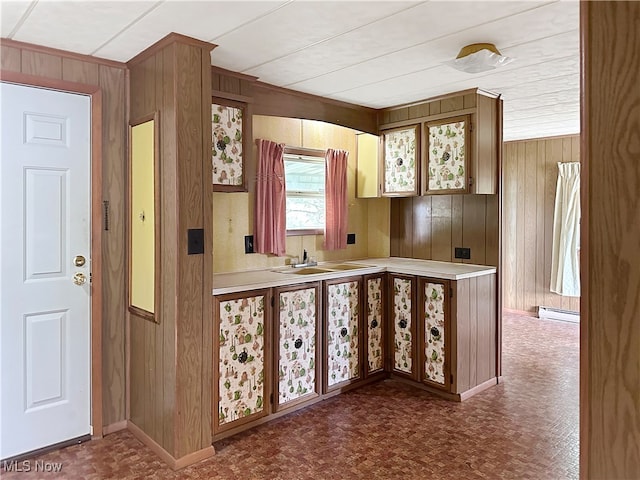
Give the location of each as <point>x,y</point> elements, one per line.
<point>95,94</point>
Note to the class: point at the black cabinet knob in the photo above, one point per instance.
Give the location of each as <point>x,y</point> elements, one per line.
<point>402,323</point>
<point>344,332</point>
<point>435,332</point>
<point>243,357</point>
<point>374,323</point>
<point>297,343</point>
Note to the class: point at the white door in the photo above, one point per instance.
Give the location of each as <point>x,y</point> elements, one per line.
<point>45,321</point>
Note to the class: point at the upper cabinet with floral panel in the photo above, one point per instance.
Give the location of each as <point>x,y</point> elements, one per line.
<point>227,152</point>
<point>447,163</point>
<point>461,144</point>
<point>401,161</point>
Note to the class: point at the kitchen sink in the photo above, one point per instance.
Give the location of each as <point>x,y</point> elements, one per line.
<point>344,266</point>
<point>326,268</point>
<point>308,270</point>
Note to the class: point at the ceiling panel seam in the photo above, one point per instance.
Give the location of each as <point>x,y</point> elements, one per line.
<point>319,42</point>
<point>23,19</point>
<point>477,77</point>
<point>254,19</point>
<point>128,26</point>
<point>426,42</point>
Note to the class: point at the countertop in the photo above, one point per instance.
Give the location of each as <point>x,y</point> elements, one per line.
<point>278,277</point>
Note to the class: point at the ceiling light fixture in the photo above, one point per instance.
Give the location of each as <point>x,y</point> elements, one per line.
<point>479,57</point>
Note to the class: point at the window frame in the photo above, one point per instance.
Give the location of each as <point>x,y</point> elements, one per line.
<point>306,152</point>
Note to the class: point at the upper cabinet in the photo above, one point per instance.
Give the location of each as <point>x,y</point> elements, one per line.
<point>458,145</point>
<point>446,156</point>
<point>227,149</point>
<point>401,161</point>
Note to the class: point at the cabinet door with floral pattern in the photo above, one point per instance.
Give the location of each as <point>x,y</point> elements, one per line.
<point>402,324</point>
<point>297,354</point>
<point>227,156</point>
<point>447,156</point>
<point>375,324</point>
<point>401,161</point>
<point>343,317</point>
<point>434,320</point>
<point>240,353</point>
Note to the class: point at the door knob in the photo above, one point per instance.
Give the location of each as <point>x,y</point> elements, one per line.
<point>79,278</point>
<point>79,261</point>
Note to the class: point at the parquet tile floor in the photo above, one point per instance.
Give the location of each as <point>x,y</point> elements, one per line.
<point>525,428</point>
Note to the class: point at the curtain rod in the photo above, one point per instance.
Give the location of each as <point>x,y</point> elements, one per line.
<point>295,150</point>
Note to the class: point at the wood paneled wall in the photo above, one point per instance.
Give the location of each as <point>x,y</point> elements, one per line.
<point>111,77</point>
<point>530,173</point>
<point>610,320</point>
<point>430,227</point>
<point>171,361</point>
<point>473,334</point>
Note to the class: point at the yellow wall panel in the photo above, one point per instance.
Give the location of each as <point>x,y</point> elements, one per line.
<point>367,172</point>
<point>142,217</point>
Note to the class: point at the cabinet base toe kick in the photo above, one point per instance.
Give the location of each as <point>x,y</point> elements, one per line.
<point>456,397</point>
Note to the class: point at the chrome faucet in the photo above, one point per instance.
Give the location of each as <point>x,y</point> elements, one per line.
<point>306,262</point>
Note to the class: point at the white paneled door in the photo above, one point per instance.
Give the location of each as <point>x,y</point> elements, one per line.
<point>45,322</point>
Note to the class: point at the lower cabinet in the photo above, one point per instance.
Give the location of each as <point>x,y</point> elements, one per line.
<point>402,326</point>
<point>434,322</point>
<point>343,342</point>
<point>297,348</point>
<point>282,348</point>
<point>375,331</point>
<point>241,359</point>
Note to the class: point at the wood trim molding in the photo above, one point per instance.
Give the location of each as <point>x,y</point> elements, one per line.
<point>325,100</point>
<point>52,83</point>
<point>174,463</point>
<point>95,92</point>
<point>585,155</point>
<point>114,427</point>
<point>61,53</point>
<point>551,137</point>
<point>524,313</point>
<point>477,389</point>
<point>231,73</point>
<point>479,91</point>
<point>168,40</point>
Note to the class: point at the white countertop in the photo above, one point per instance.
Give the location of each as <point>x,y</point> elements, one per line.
<point>255,279</point>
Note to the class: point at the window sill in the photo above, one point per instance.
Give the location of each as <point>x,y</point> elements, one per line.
<point>297,233</point>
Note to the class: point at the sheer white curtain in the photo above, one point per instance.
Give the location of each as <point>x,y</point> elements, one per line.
<point>565,271</point>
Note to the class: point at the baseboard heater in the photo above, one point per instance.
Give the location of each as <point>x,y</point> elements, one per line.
<point>558,314</point>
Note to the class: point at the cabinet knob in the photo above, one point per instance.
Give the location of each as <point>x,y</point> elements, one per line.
<point>297,343</point>
<point>242,358</point>
<point>435,332</point>
<point>344,332</point>
<point>374,323</point>
<point>402,323</point>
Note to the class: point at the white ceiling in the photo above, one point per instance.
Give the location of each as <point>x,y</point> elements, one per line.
<point>372,53</point>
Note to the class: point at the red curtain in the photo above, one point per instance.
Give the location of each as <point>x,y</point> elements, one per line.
<point>270,215</point>
<point>335,235</point>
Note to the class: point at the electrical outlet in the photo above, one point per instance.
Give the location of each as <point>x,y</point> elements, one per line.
<point>248,244</point>
<point>351,238</point>
<point>195,241</point>
<point>463,253</point>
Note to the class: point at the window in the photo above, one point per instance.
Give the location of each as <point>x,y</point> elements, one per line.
<point>304,177</point>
